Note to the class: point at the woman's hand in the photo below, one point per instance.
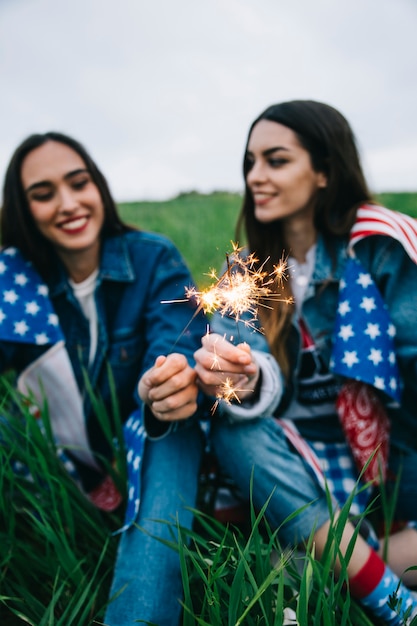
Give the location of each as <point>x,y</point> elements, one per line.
<point>169,388</point>
<point>219,363</point>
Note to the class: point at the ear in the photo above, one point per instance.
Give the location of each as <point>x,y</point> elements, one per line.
<point>321,180</point>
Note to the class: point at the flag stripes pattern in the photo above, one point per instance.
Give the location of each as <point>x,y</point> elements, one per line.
<point>377,220</point>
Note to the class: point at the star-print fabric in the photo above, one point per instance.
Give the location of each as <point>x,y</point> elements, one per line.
<point>134,438</point>
<point>27,316</point>
<point>26,313</point>
<point>364,345</point>
<point>364,335</point>
<point>364,353</point>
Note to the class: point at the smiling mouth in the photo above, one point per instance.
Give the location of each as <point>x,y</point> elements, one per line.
<point>262,198</point>
<point>75,224</point>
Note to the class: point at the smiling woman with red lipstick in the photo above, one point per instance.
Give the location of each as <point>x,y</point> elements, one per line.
<point>307,397</point>
<point>66,205</point>
<point>105,282</point>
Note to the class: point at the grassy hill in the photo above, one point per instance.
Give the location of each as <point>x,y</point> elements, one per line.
<point>203,225</point>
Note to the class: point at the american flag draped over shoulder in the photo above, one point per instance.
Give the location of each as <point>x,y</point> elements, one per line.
<point>377,220</point>
<point>27,316</point>
<point>364,344</point>
<point>26,313</point>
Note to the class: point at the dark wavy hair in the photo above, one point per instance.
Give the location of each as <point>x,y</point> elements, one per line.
<point>18,227</point>
<point>328,138</point>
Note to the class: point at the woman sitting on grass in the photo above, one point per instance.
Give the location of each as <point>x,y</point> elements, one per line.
<point>106,282</point>
<point>306,198</point>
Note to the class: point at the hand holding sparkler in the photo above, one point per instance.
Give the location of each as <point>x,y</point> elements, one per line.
<point>169,388</point>
<point>225,371</point>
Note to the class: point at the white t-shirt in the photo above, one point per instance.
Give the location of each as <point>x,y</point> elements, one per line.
<point>84,292</point>
<point>300,274</point>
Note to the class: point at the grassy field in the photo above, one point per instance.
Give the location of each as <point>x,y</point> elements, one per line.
<point>203,225</point>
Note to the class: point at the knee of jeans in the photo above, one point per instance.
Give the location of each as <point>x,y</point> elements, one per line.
<point>244,437</point>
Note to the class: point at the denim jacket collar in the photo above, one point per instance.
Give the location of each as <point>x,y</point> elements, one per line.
<point>326,267</point>
<point>115,264</point>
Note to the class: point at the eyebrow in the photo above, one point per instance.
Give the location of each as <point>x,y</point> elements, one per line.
<point>46,183</point>
<point>270,151</point>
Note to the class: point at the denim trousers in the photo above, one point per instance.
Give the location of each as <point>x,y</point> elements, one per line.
<point>258,453</point>
<point>147,573</point>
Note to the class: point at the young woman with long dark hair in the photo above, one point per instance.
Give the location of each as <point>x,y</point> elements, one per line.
<point>293,424</point>
<point>106,283</point>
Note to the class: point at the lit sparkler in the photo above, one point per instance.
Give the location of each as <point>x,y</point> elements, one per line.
<point>228,391</point>
<point>242,288</point>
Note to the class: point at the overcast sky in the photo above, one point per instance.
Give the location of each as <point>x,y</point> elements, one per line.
<point>162,92</point>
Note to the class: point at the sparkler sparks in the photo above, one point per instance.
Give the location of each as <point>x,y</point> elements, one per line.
<point>228,391</point>
<point>242,288</point>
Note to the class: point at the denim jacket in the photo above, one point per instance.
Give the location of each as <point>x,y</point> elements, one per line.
<point>138,272</point>
<point>395,274</point>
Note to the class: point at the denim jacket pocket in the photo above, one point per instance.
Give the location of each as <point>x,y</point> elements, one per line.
<point>125,350</point>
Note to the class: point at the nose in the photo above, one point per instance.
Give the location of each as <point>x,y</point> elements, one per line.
<point>256,174</point>
<point>67,200</point>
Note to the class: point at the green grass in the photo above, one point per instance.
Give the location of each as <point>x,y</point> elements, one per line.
<point>56,549</point>
<point>203,225</point>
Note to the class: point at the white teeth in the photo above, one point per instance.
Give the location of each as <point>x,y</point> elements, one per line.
<point>74,224</point>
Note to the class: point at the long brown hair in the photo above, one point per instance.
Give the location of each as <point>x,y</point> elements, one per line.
<point>18,228</point>
<point>330,142</point>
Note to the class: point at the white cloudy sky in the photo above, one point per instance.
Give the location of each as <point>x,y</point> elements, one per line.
<point>162,92</point>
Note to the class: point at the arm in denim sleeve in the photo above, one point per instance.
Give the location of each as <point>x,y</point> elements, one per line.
<point>171,322</point>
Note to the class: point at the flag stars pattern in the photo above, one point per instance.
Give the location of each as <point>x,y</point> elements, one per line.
<point>134,436</point>
<point>393,384</point>
<point>42,339</point>
<point>346,332</point>
<point>10,296</point>
<point>372,330</point>
<point>32,308</point>
<point>53,319</point>
<point>21,328</point>
<point>42,290</point>
<point>344,308</point>
<point>375,356</point>
<point>26,313</point>
<point>364,346</point>
<point>379,383</point>
<point>350,358</point>
<point>368,304</point>
<point>364,280</point>
<point>21,279</point>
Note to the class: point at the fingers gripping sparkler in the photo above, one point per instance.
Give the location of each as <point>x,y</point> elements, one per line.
<point>227,389</point>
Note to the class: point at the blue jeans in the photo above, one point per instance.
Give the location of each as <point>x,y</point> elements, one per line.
<point>149,569</point>
<point>258,450</point>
